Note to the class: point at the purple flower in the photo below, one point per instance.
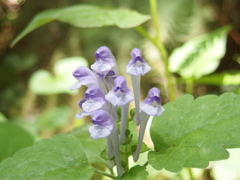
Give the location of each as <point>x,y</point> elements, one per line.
<point>152,104</point>
<point>102,126</point>
<point>109,79</point>
<point>104,60</point>
<point>137,66</point>
<point>120,94</point>
<point>93,100</point>
<point>85,77</point>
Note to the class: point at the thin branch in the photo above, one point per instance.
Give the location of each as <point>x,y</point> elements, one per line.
<point>104,173</point>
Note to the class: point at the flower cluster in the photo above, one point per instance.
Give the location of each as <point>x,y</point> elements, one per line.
<point>107,91</point>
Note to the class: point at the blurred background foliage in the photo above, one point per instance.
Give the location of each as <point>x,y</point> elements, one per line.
<point>201,36</point>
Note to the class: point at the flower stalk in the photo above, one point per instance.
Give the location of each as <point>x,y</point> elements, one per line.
<point>106,92</point>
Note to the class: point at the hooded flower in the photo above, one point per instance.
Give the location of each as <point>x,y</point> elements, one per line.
<point>137,66</point>
<point>152,104</point>
<point>93,100</point>
<point>120,94</point>
<point>109,79</point>
<point>104,61</point>
<point>102,126</point>
<point>85,77</point>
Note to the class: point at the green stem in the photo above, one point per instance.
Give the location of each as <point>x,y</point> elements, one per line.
<point>126,149</point>
<point>162,49</point>
<point>145,164</point>
<point>190,174</point>
<point>104,173</point>
<point>157,42</point>
<point>189,85</point>
<point>153,7</point>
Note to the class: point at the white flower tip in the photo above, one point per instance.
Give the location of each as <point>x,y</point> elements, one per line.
<point>75,86</point>
<point>98,132</point>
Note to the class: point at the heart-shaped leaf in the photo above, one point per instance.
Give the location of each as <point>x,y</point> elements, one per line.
<point>61,157</point>
<point>86,16</point>
<point>190,133</point>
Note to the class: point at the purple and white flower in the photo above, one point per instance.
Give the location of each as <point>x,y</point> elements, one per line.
<point>93,100</point>
<point>137,67</point>
<point>85,77</point>
<point>102,126</point>
<point>105,61</point>
<point>151,106</point>
<point>107,91</point>
<point>105,126</point>
<point>120,94</point>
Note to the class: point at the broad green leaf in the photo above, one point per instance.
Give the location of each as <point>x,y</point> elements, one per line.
<point>136,172</point>
<point>201,55</point>
<point>12,139</point>
<point>223,78</point>
<point>61,157</point>
<point>92,147</point>
<point>190,133</point>
<point>43,83</point>
<point>86,16</point>
<point>53,119</point>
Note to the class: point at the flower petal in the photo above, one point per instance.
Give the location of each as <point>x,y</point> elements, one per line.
<point>109,79</point>
<point>98,131</point>
<point>137,65</point>
<point>152,110</point>
<point>94,99</point>
<point>120,94</point>
<point>75,86</point>
<point>152,104</point>
<point>82,114</point>
<point>102,118</point>
<point>90,106</point>
<point>104,60</point>
<point>85,77</point>
<point>101,66</point>
<point>118,98</point>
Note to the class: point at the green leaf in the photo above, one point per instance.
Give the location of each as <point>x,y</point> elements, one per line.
<point>61,157</point>
<point>93,147</point>
<point>136,172</point>
<point>201,55</point>
<point>190,133</point>
<point>53,119</point>
<point>12,139</point>
<point>86,16</point>
<point>223,78</point>
<point>43,83</point>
